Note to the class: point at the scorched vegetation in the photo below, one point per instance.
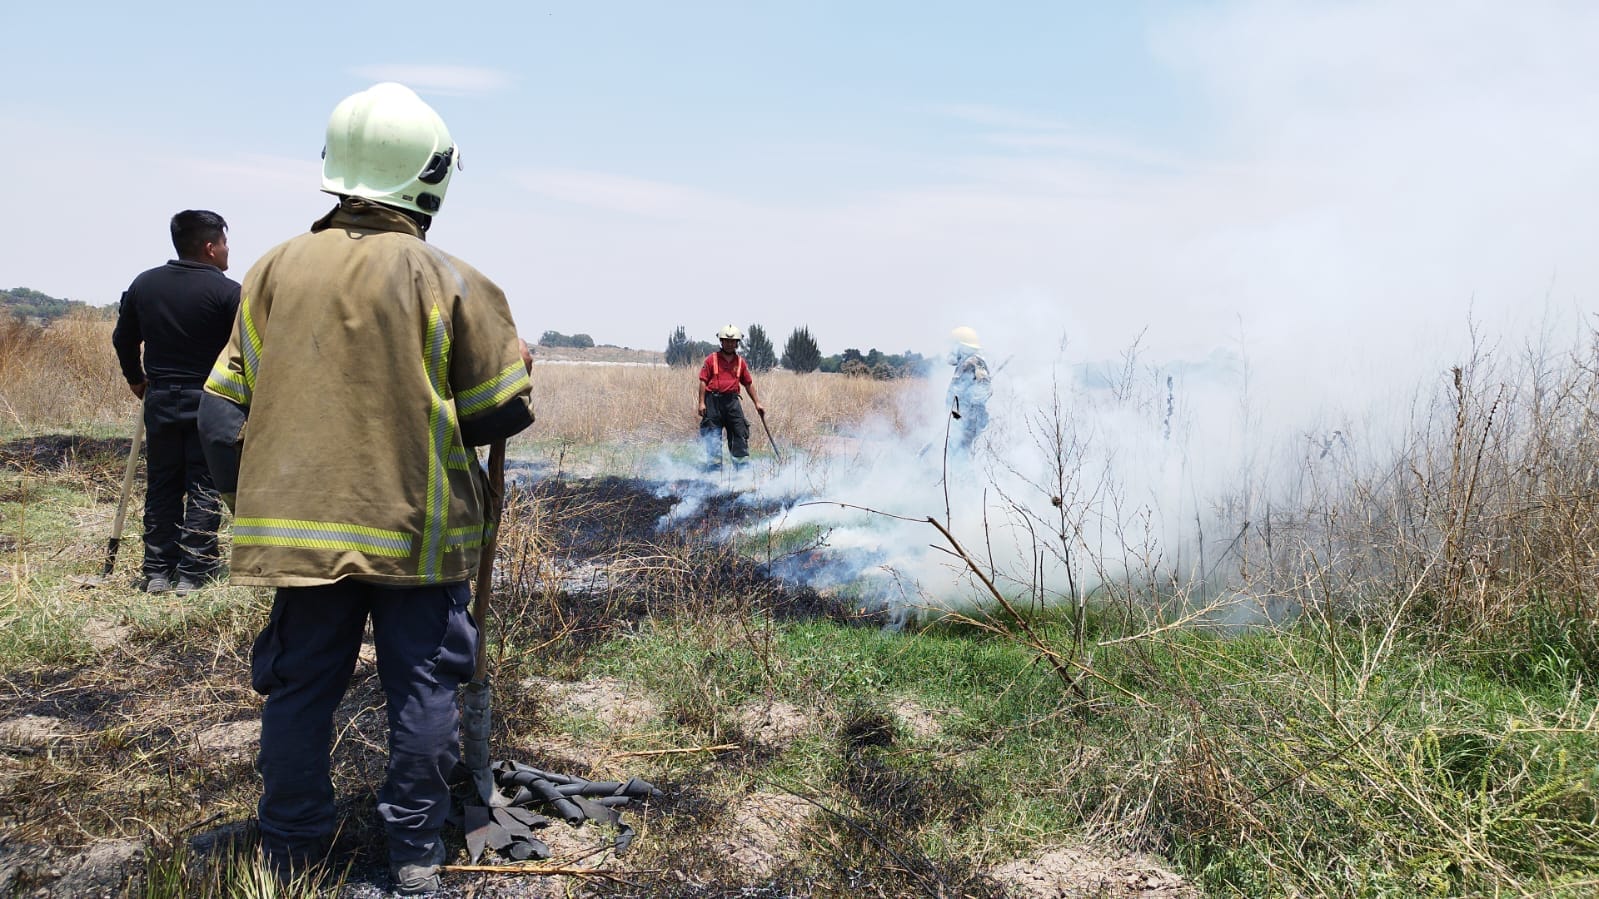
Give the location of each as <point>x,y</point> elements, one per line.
<point>1379,683</point>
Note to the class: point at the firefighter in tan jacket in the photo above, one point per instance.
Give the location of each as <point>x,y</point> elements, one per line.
<point>364,367</point>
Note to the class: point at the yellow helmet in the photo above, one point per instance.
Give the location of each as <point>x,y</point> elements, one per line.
<point>386,145</point>
<point>966,337</point>
<point>730,332</point>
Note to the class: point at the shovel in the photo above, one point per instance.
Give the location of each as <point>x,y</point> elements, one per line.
<point>475,713</point>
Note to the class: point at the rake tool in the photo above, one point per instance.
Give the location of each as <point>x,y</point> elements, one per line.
<point>476,716</point>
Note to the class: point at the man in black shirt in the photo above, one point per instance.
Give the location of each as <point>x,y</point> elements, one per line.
<point>182,313</point>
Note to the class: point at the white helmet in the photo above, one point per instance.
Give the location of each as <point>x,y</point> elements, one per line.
<point>966,337</point>
<point>730,332</point>
<point>386,145</point>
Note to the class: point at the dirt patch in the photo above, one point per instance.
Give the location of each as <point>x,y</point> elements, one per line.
<point>232,738</point>
<point>760,833</point>
<point>773,724</point>
<point>616,707</point>
<point>105,635</point>
<point>1082,874</point>
<point>918,720</point>
<point>30,732</point>
<point>104,868</point>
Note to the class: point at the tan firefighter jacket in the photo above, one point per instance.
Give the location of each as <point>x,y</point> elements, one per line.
<point>359,355</point>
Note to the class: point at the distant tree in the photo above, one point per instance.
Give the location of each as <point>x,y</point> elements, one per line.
<point>556,338</point>
<point>41,308</point>
<point>912,365</point>
<point>679,349</point>
<point>758,350</point>
<point>854,368</point>
<point>800,353</point>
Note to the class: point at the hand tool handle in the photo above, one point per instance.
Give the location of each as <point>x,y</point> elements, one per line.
<point>485,565</point>
<point>127,488</point>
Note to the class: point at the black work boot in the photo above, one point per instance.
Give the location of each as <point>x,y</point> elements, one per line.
<point>419,876</point>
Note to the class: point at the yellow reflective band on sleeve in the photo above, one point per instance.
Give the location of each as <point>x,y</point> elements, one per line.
<point>461,459</point>
<point>225,383</point>
<point>330,535</point>
<point>492,393</point>
<point>249,346</point>
<point>441,436</point>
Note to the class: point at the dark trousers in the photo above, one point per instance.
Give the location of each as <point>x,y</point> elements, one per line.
<point>426,642</point>
<point>182,511</point>
<point>723,411</point>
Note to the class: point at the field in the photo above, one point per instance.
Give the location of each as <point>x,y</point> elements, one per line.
<point>1410,713</point>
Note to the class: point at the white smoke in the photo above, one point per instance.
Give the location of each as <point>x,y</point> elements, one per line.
<point>1104,464</point>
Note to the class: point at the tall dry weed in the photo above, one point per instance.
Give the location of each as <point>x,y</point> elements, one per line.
<point>61,376</point>
<point>1486,507</point>
<point>591,404</point>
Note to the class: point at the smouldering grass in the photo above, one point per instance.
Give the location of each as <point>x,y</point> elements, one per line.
<point>1421,730</point>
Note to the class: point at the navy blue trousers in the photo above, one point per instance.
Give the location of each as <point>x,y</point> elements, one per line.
<point>182,511</point>
<point>426,642</point>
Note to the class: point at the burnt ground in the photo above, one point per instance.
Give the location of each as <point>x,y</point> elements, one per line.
<point>607,553</point>
<point>117,747</point>
<point>53,452</point>
<point>107,746</point>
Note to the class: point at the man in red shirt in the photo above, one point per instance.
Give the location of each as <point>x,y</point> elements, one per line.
<point>719,407</point>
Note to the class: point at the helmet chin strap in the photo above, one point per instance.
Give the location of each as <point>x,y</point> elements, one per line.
<point>422,219</point>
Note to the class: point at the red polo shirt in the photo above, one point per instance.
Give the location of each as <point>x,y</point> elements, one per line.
<point>721,376</point>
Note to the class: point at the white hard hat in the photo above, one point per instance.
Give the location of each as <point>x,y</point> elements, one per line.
<point>730,332</point>
<point>966,337</point>
<point>386,145</point>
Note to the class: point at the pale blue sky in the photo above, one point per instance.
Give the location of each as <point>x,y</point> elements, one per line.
<point>1299,173</point>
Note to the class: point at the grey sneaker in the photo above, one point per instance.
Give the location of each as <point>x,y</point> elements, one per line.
<point>158,583</point>
<point>187,585</point>
<point>419,877</point>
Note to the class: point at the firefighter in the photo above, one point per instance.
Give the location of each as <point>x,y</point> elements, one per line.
<point>719,409</point>
<point>368,364</point>
<point>970,386</point>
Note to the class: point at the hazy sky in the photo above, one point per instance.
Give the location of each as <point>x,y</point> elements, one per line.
<point>1309,179</point>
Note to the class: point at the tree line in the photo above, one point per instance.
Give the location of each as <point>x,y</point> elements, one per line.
<point>801,355</point>
<point>41,308</point>
<point>556,338</point>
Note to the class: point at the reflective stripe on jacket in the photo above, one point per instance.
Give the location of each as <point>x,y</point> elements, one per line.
<point>358,352</point>
<point>720,380</point>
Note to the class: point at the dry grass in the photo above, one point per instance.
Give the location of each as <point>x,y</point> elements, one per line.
<point>593,404</point>
<point>1424,728</point>
<point>64,376</point>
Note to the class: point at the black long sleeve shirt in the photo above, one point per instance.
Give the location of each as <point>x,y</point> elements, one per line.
<point>182,313</point>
